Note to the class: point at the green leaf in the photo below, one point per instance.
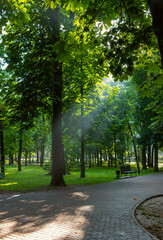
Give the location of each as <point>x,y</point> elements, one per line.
<point>159,80</point>
<point>53,4</point>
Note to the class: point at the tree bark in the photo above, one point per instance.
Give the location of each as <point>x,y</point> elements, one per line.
<point>82,164</point>
<point>98,162</point>
<point>95,157</point>
<point>30,159</point>
<point>2,151</point>
<point>149,156</point>
<point>152,155</point>
<point>56,124</point>
<point>42,146</point>
<point>156,158</point>
<point>26,156</point>
<point>109,158</point>
<point>57,147</point>
<point>37,155</point>
<point>90,165</point>
<point>20,152</point>
<point>100,157</point>
<point>156,8</point>
<point>144,157</point>
<point>11,159</point>
<point>115,149</point>
<point>2,143</point>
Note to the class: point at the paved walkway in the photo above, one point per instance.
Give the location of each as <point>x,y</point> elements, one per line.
<point>97,212</point>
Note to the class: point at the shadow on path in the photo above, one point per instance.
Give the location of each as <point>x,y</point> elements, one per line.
<point>102,211</point>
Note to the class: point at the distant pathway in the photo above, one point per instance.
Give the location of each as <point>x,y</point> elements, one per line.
<point>96,212</point>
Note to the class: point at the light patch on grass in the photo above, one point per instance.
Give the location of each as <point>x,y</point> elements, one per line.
<point>8,184</point>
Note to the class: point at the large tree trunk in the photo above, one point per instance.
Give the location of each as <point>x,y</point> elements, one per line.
<point>156,7</point>
<point>57,84</point>
<point>20,152</point>
<point>57,147</point>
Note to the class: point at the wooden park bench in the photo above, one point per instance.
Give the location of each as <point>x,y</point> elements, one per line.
<point>126,169</point>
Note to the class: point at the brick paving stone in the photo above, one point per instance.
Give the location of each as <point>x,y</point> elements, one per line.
<point>96,212</point>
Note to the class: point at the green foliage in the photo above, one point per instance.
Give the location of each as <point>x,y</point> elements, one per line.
<point>149,105</point>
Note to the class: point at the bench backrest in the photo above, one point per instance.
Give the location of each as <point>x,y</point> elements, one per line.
<point>125,168</point>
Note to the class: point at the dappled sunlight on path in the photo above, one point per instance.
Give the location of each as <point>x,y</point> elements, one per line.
<point>101,212</point>
<point>57,229</point>
<point>29,217</point>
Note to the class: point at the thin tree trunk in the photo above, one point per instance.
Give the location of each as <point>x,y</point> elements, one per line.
<point>20,152</point>
<point>37,156</point>
<point>11,159</point>
<point>111,160</point>
<point>144,166</point>
<point>156,158</point>
<point>95,157</point>
<point>115,149</point>
<point>82,164</point>
<point>26,156</point>
<point>30,159</point>
<point>105,157</point>
<point>16,158</point>
<point>42,146</point>
<point>90,165</point>
<point>101,157</point>
<point>2,143</point>
<point>152,156</point>
<point>2,151</point>
<point>98,162</point>
<point>149,156</point>
<point>135,151</point>
<point>42,152</point>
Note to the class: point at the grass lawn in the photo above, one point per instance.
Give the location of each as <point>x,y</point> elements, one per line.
<point>33,177</point>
